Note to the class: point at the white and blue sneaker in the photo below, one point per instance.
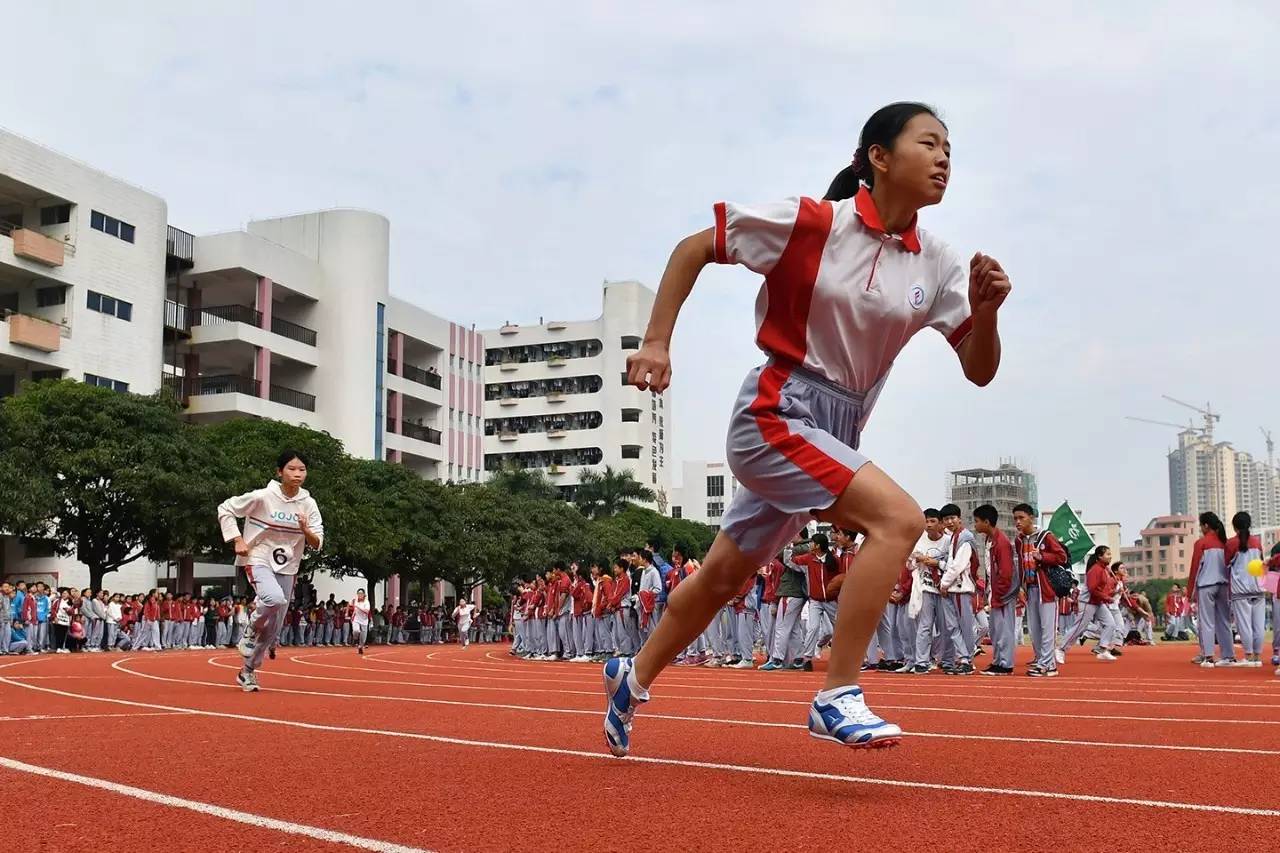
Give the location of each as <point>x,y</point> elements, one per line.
<point>247,680</point>
<point>623,696</point>
<point>247,644</point>
<point>841,715</point>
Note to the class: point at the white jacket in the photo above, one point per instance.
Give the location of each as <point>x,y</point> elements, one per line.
<point>957,577</point>
<point>271,526</point>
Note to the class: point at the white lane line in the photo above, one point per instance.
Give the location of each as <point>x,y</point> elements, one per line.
<point>981,685</point>
<point>877,689</point>
<point>684,718</point>
<point>38,717</point>
<point>674,762</point>
<point>246,818</point>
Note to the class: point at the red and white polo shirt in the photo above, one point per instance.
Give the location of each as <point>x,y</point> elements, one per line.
<point>842,297</point>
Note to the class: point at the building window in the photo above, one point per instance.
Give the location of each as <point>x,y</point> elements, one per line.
<point>630,342</point>
<point>715,509</point>
<point>111,226</point>
<point>104,304</point>
<point>58,214</point>
<point>630,451</point>
<point>104,382</point>
<point>48,296</point>
<point>1165,540</point>
<point>676,512</point>
<point>715,486</point>
<point>44,375</point>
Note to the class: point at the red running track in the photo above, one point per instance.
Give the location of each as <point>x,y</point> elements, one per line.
<point>437,748</point>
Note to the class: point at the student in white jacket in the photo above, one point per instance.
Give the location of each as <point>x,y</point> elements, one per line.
<point>280,522</point>
<point>958,585</point>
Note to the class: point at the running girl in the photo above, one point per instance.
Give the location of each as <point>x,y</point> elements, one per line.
<point>281,521</point>
<point>848,281</point>
<point>359,612</point>
<point>462,618</point>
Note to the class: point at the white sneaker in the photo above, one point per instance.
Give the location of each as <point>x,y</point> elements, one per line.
<point>1106,656</point>
<point>745,663</point>
<point>1207,663</point>
<point>1060,656</point>
<point>1226,662</point>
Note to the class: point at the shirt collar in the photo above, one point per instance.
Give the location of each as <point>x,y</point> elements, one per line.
<point>866,208</point>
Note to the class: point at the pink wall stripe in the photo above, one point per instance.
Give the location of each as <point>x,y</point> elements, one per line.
<point>264,300</point>
<point>262,371</point>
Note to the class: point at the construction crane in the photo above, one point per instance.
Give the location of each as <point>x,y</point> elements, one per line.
<point>1187,426</point>
<point>1271,448</point>
<point>1207,412</point>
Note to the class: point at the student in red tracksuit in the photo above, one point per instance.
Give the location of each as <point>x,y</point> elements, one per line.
<point>820,569</point>
<point>600,612</point>
<point>1004,590</point>
<point>150,625</point>
<point>626,629</point>
<point>905,628</point>
<point>769,601</point>
<point>584,637</point>
<point>1101,585</point>
<point>744,607</point>
<point>1173,612</point>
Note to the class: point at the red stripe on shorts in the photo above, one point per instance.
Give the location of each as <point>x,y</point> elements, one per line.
<point>833,475</point>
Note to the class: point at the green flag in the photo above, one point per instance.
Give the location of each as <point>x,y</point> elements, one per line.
<point>1068,529</point>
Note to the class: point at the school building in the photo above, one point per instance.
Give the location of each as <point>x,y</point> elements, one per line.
<point>289,318</point>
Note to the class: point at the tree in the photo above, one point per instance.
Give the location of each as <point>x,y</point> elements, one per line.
<point>492,536</point>
<point>381,519</point>
<point>109,477</point>
<point>636,526</point>
<point>601,494</point>
<point>246,450</point>
<point>530,482</point>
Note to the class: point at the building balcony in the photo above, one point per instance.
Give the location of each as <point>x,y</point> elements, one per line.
<point>179,250</point>
<point>509,366</point>
<point>226,324</point>
<point>34,246</point>
<point>558,432</point>
<point>293,331</point>
<point>414,374</point>
<point>555,396</point>
<point>420,441</point>
<point>33,332</point>
<point>292,398</point>
<point>508,435</point>
<point>556,361</point>
<point>177,319</point>
<point>509,329</point>
<point>557,326</point>
<point>233,314</point>
<point>231,383</point>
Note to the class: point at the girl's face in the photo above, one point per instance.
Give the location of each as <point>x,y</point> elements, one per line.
<point>1105,558</point>
<point>294,473</point>
<point>919,166</point>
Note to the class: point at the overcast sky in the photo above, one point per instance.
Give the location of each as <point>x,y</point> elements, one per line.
<point>1121,160</point>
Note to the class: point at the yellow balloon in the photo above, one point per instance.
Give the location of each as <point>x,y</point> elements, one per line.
<point>1255,568</point>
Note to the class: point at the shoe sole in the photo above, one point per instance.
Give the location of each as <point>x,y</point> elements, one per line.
<point>881,743</point>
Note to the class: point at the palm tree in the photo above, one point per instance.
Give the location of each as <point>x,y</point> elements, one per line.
<point>529,482</point>
<point>601,494</point>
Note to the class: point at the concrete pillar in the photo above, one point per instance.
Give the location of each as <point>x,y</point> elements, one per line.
<point>393,591</point>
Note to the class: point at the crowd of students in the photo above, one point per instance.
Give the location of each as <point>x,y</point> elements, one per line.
<point>959,597</point>
<point>37,619</point>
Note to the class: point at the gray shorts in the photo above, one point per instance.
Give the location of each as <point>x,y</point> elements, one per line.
<point>792,444</point>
